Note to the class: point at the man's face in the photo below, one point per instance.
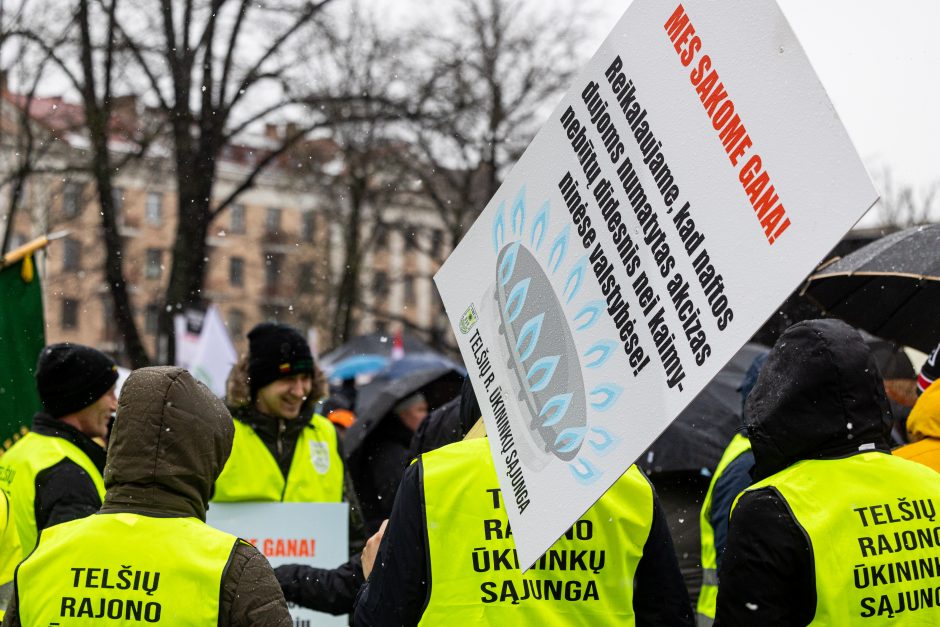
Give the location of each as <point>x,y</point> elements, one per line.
<point>413,415</point>
<point>93,420</point>
<point>284,397</point>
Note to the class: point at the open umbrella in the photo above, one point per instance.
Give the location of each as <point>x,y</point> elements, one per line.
<point>890,288</point>
<point>362,353</point>
<point>698,437</point>
<point>435,376</point>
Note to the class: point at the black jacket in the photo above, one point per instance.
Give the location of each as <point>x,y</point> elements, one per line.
<point>65,492</point>
<point>377,468</point>
<point>398,589</point>
<point>819,396</point>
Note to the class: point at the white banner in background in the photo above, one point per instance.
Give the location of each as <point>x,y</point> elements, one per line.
<point>689,180</point>
<point>214,354</point>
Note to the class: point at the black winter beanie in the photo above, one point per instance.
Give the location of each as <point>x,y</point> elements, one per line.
<point>275,350</point>
<point>70,377</point>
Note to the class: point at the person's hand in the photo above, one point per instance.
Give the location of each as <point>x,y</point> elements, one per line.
<point>372,549</point>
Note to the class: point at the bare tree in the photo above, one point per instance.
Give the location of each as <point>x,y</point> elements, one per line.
<point>84,53</point>
<point>494,78</point>
<point>903,206</point>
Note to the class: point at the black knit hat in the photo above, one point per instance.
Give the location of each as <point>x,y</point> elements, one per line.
<point>274,351</point>
<point>70,377</point>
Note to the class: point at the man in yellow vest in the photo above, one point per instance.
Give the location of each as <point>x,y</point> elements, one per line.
<point>836,530</point>
<point>53,474</point>
<point>448,556</point>
<point>732,476</point>
<point>10,552</point>
<point>147,556</point>
<point>282,451</point>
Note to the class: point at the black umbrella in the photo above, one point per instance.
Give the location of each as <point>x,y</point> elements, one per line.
<point>890,288</point>
<point>698,437</point>
<point>438,378</point>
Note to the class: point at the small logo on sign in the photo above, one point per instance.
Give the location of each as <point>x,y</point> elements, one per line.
<point>468,319</point>
<point>320,456</point>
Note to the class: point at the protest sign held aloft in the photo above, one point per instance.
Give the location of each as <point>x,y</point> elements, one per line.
<point>692,176</point>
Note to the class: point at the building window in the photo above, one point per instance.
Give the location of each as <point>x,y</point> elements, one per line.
<point>272,271</point>
<point>117,200</point>
<point>272,221</point>
<point>437,242</point>
<point>69,313</point>
<point>381,236</point>
<point>154,267</point>
<point>305,278</point>
<point>71,255</point>
<point>309,226</point>
<point>380,283</point>
<point>154,214</point>
<point>236,271</point>
<point>409,288</point>
<point>237,219</point>
<point>410,233</point>
<point>236,323</point>
<point>152,319</point>
<point>271,313</point>
<point>71,199</point>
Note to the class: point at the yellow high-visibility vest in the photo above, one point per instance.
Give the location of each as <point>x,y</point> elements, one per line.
<point>585,578</point>
<point>871,520</point>
<point>707,598</point>
<point>10,552</point>
<point>125,569</point>
<point>18,470</point>
<point>252,474</point>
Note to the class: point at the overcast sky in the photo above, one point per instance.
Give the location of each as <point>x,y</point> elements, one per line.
<point>879,62</point>
<point>877,59</point>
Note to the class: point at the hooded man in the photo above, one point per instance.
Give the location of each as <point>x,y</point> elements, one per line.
<point>283,451</point>
<point>147,554</point>
<point>53,474</point>
<point>813,540</point>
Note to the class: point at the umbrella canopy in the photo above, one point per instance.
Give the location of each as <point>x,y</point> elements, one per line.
<point>435,376</point>
<point>698,437</point>
<point>374,346</point>
<point>351,367</point>
<point>890,288</point>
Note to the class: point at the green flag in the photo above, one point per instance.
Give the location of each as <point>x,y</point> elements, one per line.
<point>21,339</point>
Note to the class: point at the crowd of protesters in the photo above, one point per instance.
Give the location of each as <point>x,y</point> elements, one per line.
<point>813,515</point>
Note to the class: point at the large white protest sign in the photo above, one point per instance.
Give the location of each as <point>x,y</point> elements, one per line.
<point>691,177</point>
<point>315,534</point>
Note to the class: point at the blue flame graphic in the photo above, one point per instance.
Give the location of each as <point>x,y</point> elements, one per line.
<point>577,275</point>
<point>542,371</point>
<point>539,227</point>
<point>604,348</point>
<point>499,227</point>
<point>584,471</point>
<point>554,410</point>
<point>609,394</point>
<point>529,338</point>
<point>516,300</point>
<point>569,439</point>
<point>593,310</point>
<point>518,212</point>
<point>559,248</point>
<point>605,443</point>
<point>508,264</point>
